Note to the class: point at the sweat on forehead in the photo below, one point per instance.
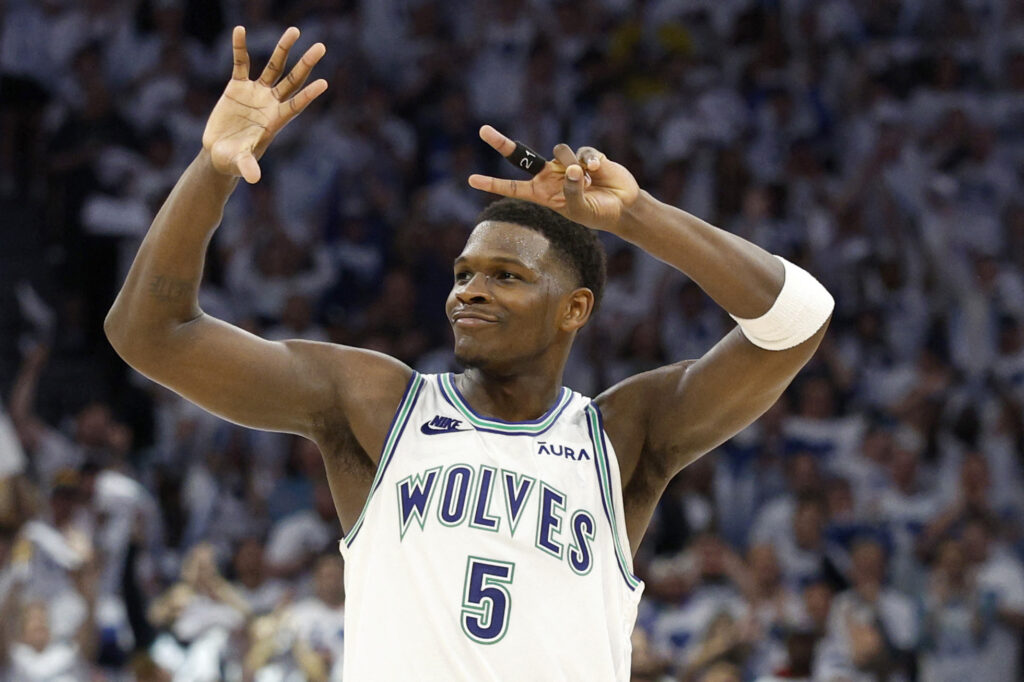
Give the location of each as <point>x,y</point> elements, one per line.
<point>520,243</point>
<point>520,240</point>
<point>570,244</point>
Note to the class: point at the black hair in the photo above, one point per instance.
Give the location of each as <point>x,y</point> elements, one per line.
<point>576,245</point>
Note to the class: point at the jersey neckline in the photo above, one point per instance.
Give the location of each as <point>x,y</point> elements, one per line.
<point>532,426</point>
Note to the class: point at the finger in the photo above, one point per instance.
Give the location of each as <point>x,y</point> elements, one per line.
<point>507,188</point>
<point>573,188</point>
<point>590,158</point>
<point>248,168</point>
<point>272,71</point>
<point>563,154</point>
<point>296,105</point>
<point>296,78</point>
<point>499,142</point>
<point>240,54</point>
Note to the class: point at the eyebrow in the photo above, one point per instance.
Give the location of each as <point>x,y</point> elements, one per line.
<point>496,259</point>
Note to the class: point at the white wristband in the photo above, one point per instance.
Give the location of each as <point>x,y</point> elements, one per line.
<point>801,308</point>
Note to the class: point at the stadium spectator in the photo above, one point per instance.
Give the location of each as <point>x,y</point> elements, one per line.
<point>875,143</point>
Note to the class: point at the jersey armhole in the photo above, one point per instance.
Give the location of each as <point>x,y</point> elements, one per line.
<point>398,424</point>
<point>611,499</point>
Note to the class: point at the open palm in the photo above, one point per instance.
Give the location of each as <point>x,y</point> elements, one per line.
<point>250,113</point>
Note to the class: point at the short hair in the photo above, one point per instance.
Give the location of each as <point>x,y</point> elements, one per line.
<point>577,246</point>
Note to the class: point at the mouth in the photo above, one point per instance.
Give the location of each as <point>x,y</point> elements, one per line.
<point>467,319</point>
<point>472,322</point>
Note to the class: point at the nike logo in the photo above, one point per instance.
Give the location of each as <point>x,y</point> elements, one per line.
<point>441,424</point>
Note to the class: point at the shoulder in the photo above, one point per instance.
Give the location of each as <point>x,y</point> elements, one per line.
<point>628,406</point>
<point>365,388</point>
<point>633,397</point>
<point>364,373</point>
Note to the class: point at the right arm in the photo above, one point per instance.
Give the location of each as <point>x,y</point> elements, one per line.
<point>29,427</point>
<point>156,325</point>
<point>9,620</point>
<point>86,580</point>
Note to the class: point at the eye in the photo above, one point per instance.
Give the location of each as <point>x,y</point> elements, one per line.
<point>506,275</point>
<point>462,276</point>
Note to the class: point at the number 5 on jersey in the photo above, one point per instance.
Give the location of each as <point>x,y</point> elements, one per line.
<point>485,599</point>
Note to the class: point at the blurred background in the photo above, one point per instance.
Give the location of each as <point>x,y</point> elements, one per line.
<point>867,528</point>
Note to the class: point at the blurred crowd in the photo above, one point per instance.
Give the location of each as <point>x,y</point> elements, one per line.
<point>867,528</point>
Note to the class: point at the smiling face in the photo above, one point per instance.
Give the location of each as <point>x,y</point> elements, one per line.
<point>513,299</point>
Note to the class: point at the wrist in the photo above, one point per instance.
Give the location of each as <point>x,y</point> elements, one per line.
<point>800,309</point>
<point>636,215</point>
<point>203,164</point>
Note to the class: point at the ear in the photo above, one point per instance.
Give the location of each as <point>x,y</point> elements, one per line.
<point>577,309</point>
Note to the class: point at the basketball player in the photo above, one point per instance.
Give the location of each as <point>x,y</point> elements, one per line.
<point>490,516</point>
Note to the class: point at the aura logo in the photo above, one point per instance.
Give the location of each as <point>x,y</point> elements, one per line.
<point>441,424</point>
<point>562,451</point>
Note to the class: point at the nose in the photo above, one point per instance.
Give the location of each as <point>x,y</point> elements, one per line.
<point>475,290</point>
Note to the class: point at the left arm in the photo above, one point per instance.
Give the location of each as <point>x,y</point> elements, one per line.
<point>310,662</point>
<point>86,580</point>
<point>740,276</point>
<point>681,411</point>
<point>690,408</point>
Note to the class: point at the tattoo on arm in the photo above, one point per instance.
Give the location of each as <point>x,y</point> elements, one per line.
<point>170,290</point>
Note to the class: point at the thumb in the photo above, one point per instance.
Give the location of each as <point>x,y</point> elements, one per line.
<point>573,189</point>
<point>249,168</point>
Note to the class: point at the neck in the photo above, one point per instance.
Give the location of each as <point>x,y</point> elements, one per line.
<point>515,398</point>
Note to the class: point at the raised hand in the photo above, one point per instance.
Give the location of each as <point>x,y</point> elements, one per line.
<point>250,113</point>
<point>586,187</point>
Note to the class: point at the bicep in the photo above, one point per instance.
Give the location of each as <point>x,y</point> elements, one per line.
<point>697,406</point>
<point>271,385</point>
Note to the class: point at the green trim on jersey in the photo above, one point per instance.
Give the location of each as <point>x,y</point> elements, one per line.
<point>450,392</point>
<point>467,503</point>
<point>517,478</point>
<point>417,480</point>
<point>485,611</point>
<point>557,526</point>
<point>606,491</point>
<point>578,548</point>
<point>475,506</point>
<point>397,426</point>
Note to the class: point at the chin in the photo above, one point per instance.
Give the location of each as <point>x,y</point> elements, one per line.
<point>469,360</point>
<point>471,355</point>
<point>487,363</point>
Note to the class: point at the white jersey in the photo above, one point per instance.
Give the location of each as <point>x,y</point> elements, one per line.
<point>490,550</point>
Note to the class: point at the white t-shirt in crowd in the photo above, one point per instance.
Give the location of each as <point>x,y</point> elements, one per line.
<point>322,628</point>
<point>264,598</point>
<point>678,630</point>
<point>774,521</point>
<point>1001,577</point>
<point>952,649</point>
<point>300,533</point>
<point>58,662</point>
<point>895,612</point>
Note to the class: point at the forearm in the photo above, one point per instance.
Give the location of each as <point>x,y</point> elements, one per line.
<point>23,394</point>
<point>161,290</point>
<point>87,637</point>
<point>262,648</point>
<point>311,663</point>
<point>1011,618</point>
<point>227,594</point>
<point>8,615</point>
<point>740,276</point>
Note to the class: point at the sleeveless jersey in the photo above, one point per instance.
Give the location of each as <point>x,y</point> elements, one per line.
<point>490,550</point>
